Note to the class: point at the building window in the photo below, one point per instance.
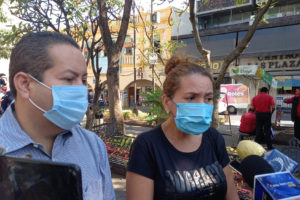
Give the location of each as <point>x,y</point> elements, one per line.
<point>231,17</point>
<point>156,43</point>
<point>128,51</point>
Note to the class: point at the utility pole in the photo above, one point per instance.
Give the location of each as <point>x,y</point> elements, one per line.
<point>135,110</point>
<point>152,45</point>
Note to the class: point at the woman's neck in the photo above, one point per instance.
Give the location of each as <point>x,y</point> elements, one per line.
<point>181,141</point>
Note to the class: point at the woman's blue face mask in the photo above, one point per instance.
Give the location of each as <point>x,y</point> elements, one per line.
<point>193,118</point>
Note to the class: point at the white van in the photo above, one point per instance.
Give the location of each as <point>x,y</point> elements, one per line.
<point>235,96</point>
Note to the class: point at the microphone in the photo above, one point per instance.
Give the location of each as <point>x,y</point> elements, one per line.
<point>254,165</point>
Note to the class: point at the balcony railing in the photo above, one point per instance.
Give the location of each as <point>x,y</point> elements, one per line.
<point>127,60</point>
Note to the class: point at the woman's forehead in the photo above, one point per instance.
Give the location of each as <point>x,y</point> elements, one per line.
<point>195,83</point>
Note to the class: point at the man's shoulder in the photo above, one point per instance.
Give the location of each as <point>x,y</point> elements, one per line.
<point>85,135</point>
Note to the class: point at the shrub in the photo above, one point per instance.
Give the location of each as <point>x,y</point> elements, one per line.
<point>156,110</point>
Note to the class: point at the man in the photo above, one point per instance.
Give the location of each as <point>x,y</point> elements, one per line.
<point>264,106</point>
<point>248,122</point>
<point>47,76</point>
<point>295,114</point>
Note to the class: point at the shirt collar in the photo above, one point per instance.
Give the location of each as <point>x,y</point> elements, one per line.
<point>13,137</point>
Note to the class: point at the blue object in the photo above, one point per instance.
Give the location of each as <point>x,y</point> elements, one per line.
<point>70,103</point>
<point>193,118</point>
<point>276,186</point>
<point>280,162</point>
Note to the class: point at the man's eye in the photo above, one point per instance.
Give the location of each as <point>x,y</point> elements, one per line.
<point>84,81</point>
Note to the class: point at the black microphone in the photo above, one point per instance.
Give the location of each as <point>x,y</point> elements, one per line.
<point>254,165</point>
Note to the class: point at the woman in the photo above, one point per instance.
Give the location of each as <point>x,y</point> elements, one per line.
<point>183,158</point>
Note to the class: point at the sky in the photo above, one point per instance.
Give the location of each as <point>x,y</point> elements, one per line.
<point>157,5</point>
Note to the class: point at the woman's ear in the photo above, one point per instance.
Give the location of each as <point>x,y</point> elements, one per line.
<point>166,102</point>
<point>22,84</point>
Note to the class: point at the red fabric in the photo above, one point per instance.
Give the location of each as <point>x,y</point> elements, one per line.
<point>262,102</point>
<point>290,100</point>
<point>248,122</point>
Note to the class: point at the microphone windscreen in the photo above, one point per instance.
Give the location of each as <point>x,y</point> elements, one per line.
<point>254,165</point>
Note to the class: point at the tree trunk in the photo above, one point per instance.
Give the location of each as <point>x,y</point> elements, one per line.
<point>115,110</point>
<point>242,45</point>
<point>113,52</point>
<point>94,108</point>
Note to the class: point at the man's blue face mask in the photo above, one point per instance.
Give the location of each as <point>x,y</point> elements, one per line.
<point>70,103</point>
<point>193,118</point>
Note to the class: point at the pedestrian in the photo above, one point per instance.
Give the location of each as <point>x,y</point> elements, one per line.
<point>48,80</point>
<point>264,106</point>
<point>278,115</point>
<point>2,80</point>
<point>7,99</point>
<point>183,158</point>
<point>295,112</point>
<point>248,122</point>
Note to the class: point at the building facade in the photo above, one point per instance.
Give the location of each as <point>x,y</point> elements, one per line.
<point>166,23</point>
<point>275,45</point>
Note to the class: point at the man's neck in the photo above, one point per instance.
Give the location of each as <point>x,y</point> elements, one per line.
<point>35,125</point>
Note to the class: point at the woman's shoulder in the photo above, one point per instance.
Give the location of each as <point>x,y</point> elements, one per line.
<point>213,132</point>
<point>150,135</point>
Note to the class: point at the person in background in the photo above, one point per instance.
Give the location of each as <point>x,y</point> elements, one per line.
<point>90,96</point>
<point>264,106</point>
<point>278,115</point>
<point>47,76</point>
<point>7,99</point>
<point>183,158</point>
<point>2,80</point>
<point>248,122</point>
<point>295,113</point>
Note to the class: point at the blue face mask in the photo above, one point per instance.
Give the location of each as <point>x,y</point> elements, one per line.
<point>193,118</point>
<point>69,105</point>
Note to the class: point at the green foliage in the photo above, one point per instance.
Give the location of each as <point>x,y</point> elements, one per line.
<point>128,114</point>
<point>172,45</point>
<point>157,113</point>
<point>8,38</point>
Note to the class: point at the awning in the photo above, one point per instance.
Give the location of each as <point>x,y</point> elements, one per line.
<point>254,77</point>
<point>287,82</point>
<point>253,72</point>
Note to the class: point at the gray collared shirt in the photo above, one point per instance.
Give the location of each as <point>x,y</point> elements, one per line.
<point>78,146</point>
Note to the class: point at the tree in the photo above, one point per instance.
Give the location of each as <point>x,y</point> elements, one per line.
<point>78,19</point>
<point>163,50</point>
<point>113,50</point>
<point>241,46</point>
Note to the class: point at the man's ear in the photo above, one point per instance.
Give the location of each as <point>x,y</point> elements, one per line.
<point>22,84</point>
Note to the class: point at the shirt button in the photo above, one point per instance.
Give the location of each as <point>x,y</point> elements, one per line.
<point>36,146</point>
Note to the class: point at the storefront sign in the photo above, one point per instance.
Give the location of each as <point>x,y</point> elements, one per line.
<point>275,63</point>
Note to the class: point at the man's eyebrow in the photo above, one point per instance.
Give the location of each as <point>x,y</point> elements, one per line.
<point>74,72</point>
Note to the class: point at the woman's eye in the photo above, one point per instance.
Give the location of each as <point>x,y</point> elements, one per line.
<point>69,79</point>
<point>84,81</point>
<point>209,99</point>
<point>190,98</point>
